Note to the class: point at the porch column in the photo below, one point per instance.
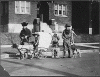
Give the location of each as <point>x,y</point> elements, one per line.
<point>90,19</point>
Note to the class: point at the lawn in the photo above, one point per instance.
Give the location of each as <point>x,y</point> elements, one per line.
<point>8,50</point>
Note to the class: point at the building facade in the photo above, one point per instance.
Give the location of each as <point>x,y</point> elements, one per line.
<point>82,15</point>
<point>14,12</point>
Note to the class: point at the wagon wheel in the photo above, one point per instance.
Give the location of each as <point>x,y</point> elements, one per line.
<point>25,55</point>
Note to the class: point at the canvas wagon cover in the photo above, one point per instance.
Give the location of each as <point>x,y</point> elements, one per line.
<point>45,39</point>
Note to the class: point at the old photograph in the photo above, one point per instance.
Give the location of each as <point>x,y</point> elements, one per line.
<point>49,38</point>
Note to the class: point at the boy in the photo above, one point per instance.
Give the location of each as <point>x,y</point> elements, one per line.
<point>25,33</point>
<point>67,39</point>
<point>55,45</point>
<point>36,42</point>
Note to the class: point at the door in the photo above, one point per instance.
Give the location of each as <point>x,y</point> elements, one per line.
<point>43,12</point>
<point>4,15</point>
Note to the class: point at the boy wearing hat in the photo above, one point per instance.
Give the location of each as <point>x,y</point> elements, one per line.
<point>36,42</point>
<point>67,39</point>
<point>25,33</point>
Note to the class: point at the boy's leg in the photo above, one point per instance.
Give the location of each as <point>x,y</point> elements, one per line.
<point>64,49</point>
<point>69,49</point>
<point>58,50</point>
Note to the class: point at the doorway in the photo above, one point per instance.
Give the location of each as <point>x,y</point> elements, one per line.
<point>95,17</point>
<point>4,15</point>
<point>43,12</point>
<point>80,16</point>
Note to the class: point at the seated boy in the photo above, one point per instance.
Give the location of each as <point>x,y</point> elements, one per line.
<point>36,42</point>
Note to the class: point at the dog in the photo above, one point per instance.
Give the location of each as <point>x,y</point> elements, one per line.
<point>24,52</point>
<point>55,53</point>
<point>76,52</point>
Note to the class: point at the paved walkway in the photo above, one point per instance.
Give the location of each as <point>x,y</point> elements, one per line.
<point>78,44</point>
<point>91,49</point>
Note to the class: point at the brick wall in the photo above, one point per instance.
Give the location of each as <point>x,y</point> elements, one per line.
<point>62,20</point>
<point>17,19</point>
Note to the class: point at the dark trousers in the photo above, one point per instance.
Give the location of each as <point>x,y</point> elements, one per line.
<point>24,40</point>
<point>67,46</point>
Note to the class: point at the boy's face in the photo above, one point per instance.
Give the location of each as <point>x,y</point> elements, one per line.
<point>69,28</point>
<point>24,27</point>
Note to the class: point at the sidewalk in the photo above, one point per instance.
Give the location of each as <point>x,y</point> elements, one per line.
<point>87,45</point>
<point>60,43</point>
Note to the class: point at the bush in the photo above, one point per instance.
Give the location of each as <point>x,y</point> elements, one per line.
<point>86,38</point>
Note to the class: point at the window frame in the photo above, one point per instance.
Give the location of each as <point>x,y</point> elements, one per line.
<point>20,12</point>
<point>61,15</point>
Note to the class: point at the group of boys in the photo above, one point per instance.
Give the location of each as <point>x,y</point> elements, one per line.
<point>67,36</point>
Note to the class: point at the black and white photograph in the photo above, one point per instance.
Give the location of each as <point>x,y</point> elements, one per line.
<point>49,38</point>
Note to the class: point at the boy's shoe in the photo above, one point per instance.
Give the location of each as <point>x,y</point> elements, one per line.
<point>69,57</point>
<point>64,56</point>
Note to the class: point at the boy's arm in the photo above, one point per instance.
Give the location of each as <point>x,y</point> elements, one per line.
<point>72,38</point>
<point>63,35</point>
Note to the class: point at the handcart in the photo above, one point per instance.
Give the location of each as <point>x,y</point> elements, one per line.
<point>24,50</point>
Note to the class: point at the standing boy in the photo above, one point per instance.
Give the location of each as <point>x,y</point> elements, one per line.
<point>67,39</point>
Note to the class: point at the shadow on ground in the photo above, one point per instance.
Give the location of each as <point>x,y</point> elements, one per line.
<point>43,68</point>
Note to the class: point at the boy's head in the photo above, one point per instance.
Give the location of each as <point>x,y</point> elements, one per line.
<point>68,27</point>
<point>24,24</point>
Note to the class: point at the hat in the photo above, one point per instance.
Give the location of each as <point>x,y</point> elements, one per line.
<point>67,25</point>
<point>24,24</point>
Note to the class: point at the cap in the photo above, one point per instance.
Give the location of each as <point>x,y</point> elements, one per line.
<point>24,24</point>
<point>67,25</point>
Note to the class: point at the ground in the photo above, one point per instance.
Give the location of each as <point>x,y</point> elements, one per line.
<point>87,65</point>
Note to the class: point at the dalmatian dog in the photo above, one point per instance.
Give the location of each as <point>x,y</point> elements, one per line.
<point>76,52</point>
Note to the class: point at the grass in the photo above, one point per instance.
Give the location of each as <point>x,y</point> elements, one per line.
<point>8,50</point>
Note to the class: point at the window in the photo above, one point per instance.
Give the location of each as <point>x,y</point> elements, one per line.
<point>60,10</point>
<point>56,9</point>
<point>22,7</point>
